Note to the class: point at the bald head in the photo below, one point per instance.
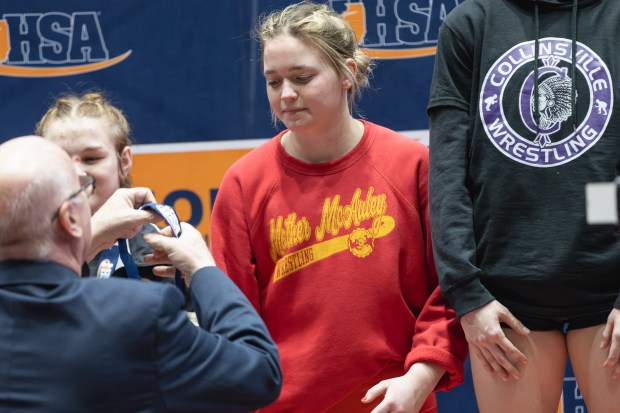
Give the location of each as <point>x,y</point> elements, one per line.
<point>30,157</point>
<point>37,175</point>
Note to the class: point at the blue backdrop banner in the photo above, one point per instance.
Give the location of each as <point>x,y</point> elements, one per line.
<point>190,70</point>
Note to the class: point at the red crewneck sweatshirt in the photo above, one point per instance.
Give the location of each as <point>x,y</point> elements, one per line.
<point>337,259</point>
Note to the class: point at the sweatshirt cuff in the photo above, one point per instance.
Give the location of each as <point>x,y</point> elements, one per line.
<point>468,296</point>
<point>453,365</point>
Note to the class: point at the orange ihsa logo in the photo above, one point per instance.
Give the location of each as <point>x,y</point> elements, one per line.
<point>395,29</point>
<point>53,44</point>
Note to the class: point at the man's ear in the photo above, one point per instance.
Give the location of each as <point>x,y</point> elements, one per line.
<point>68,218</point>
<point>124,163</point>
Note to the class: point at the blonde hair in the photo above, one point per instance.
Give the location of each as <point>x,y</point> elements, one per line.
<point>91,105</point>
<point>320,27</point>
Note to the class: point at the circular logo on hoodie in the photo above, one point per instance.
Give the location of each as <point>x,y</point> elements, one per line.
<point>560,128</point>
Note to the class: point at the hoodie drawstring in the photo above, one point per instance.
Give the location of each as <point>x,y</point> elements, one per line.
<point>572,66</point>
<point>536,112</point>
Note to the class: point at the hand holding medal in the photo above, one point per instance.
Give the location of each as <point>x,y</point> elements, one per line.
<point>180,245</point>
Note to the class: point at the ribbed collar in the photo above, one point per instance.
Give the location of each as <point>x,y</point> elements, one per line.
<point>330,167</point>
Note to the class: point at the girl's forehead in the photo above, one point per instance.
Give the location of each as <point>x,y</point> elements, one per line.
<point>80,133</point>
<point>286,50</point>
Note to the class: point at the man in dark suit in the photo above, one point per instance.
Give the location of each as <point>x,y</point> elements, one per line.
<point>86,345</point>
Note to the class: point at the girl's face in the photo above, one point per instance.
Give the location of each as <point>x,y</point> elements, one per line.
<point>88,142</point>
<point>305,92</point>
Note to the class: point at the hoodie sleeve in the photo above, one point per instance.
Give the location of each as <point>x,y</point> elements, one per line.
<point>451,207</point>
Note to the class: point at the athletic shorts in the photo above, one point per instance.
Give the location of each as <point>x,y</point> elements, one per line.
<point>540,322</point>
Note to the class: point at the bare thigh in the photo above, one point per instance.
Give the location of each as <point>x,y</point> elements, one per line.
<point>600,392</point>
<point>540,387</point>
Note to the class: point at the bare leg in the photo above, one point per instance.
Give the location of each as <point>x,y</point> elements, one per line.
<point>540,386</point>
<point>600,392</point>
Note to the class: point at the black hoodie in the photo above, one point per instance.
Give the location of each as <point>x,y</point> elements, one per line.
<point>509,160</point>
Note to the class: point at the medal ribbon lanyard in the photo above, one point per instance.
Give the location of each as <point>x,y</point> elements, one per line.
<point>171,218</point>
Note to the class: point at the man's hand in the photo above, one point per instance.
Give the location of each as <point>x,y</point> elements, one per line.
<point>188,253</point>
<point>611,340</point>
<point>119,217</point>
<point>488,342</point>
<point>407,393</point>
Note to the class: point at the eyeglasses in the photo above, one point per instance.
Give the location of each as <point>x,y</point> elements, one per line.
<point>87,183</point>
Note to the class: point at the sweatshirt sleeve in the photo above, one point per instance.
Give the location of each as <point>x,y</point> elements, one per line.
<point>229,364</point>
<point>451,207</point>
<point>438,337</point>
<point>230,238</point>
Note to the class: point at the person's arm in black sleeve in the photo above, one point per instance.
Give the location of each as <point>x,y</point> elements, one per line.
<point>450,202</point>
<point>452,211</point>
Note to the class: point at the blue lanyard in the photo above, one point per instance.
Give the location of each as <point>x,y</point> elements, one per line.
<point>170,216</point>
<point>130,265</point>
